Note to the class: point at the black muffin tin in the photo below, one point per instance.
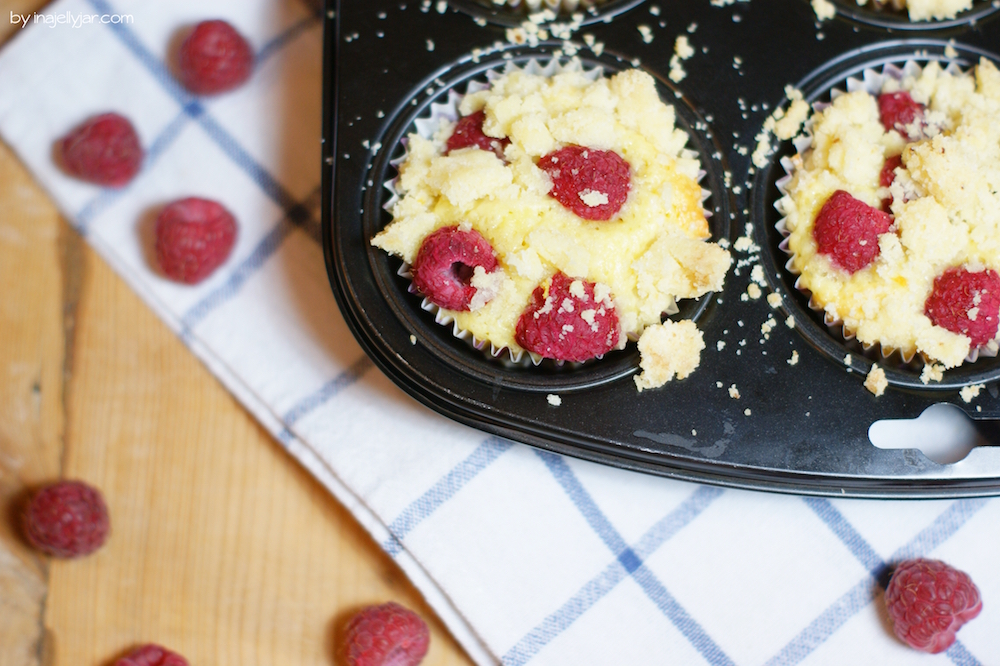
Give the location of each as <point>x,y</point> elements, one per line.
<point>799,428</point>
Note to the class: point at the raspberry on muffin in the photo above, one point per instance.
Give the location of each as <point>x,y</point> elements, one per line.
<point>592,183</point>
<point>966,302</point>
<point>899,111</point>
<point>468,133</point>
<point>847,231</point>
<point>446,266</point>
<point>571,320</point>
<point>888,176</point>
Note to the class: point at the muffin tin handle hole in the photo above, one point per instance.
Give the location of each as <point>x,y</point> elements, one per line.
<point>943,433</point>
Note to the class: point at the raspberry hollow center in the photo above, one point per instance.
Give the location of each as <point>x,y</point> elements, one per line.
<point>446,264</point>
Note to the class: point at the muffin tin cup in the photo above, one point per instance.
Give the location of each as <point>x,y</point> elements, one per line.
<point>891,20</point>
<point>865,70</point>
<point>442,106</point>
<point>514,13</point>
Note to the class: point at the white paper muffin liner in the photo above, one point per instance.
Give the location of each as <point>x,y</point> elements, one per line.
<point>447,111</point>
<point>555,5</point>
<point>872,82</point>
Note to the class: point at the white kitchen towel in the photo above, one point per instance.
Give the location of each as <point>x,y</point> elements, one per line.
<point>529,557</point>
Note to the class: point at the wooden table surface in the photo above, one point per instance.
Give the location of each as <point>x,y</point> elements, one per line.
<point>222,547</point>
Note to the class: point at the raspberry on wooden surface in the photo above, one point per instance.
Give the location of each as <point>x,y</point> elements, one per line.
<point>214,59</point>
<point>152,655</point>
<point>928,601</point>
<point>104,150</point>
<point>193,237</point>
<point>66,519</point>
<point>386,635</point>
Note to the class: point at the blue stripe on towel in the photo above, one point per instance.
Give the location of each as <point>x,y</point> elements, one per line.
<point>313,401</point>
<point>960,655</point>
<point>629,560</point>
<point>845,532</point>
<point>942,529</point>
<point>599,586</point>
<point>443,490</point>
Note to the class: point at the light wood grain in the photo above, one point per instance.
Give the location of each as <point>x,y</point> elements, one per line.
<point>31,394</point>
<point>222,546</point>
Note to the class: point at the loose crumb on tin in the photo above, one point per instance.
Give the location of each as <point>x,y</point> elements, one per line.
<point>824,9</point>
<point>932,372</point>
<point>793,359</point>
<point>682,51</point>
<point>876,382</point>
<point>553,399</point>
<point>968,393</point>
<point>782,123</point>
<point>667,350</point>
<point>734,392</point>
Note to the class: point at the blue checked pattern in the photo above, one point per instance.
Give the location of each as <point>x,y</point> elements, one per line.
<point>626,562</point>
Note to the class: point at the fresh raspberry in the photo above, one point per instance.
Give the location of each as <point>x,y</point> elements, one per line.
<point>967,303</point>
<point>468,133</point>
<point>386,635</point>
<point>104,150</point>
<point>888,176</point>
<point>445,264</point>
<point>928,602</point>
<point>847,231</point>
<point>592,183</point>
<point>152,655</point>
<point>67,519</point>
<point>898,111</point>
<point>569,323</point>
<point>214,58</point>
<point>193,238</point>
